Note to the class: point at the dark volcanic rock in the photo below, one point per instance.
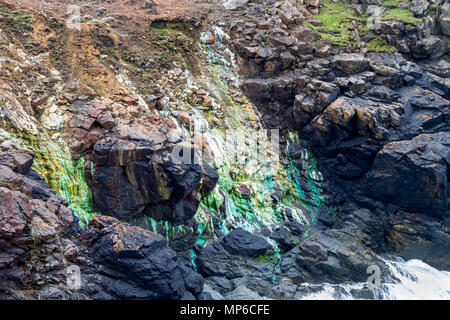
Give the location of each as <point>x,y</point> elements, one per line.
<point>419,235</point>
<point>138,177</point>
<point>149,268</point>
<point>365,116</point>
<point>330,256</point>
<point>413,174</point>
<point>237,255</point>
<point>40,241</point>
<point>242,242</point>
<point>351,63</point>
<point>32,217</point>
<point>284,239</point>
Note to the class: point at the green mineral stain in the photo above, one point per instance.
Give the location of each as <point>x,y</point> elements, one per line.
<point>226,208</point>
<point>226,204</point>
<point>193,257</point>
<point>53,161</point>
<point>66,176</point>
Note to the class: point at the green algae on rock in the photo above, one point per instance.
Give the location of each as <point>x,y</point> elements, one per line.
<point>53,161</point>
<point>338,23</point>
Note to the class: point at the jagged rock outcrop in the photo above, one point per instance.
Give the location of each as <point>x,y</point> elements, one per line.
<point>330,257</point>
<point>413,174</point>
<point>32,218</point>
<point>160,188</point>
<point>143,265</point>
<point>40,240</point>
<point>376,122</point>
<point>136,169</point>
<point>237,255</point>
<point>362,109</point>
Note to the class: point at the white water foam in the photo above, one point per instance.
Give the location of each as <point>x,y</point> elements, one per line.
<point>417,280</point>
<point>411,280</point>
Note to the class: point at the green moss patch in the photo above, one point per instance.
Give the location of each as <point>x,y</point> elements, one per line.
<point>403,15</point>
<point>16,20</point>
<point>268,258</point>
<point>378,44</point>
<point>174,42</point>
<point>396,3</point>
<point>338,22</point>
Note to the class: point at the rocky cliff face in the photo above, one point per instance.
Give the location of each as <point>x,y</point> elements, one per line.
<point>41,241</point>
<point>95,119</point>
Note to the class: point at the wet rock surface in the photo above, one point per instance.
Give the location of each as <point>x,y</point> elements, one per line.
<point>376,122</point>
<point>143,265</point>
<point>424,160</point>
<point>237,255</point>
<point>40,241</point>
<point>369,108</point>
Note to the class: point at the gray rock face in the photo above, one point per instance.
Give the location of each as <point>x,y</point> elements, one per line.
<point>143,168</point>
<point>444,18</point>
<point>289,13</point>
<point>389,27</point>
<point>351,63</point>
<point>234,4</point>
<point>368,118</point>
<point>209,293</point>
<point>236,255</point>
<point>325,258</point>
<point>316,96</point>
<point>418,7</point>
<point>430,47</point>
<point>149,268</point>
<point>439,67</point>
<point>413,174</point>
<point>243,293</point>
<point>270,89</point>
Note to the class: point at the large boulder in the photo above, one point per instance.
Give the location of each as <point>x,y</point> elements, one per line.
<point>413,174</point>
<point>328,256</point>
<point>351,63</point>
<point>138,176</point>
<point>238,254</point>
<point>242,242</point>
<point>149,269</point>
<point>430,47</point>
